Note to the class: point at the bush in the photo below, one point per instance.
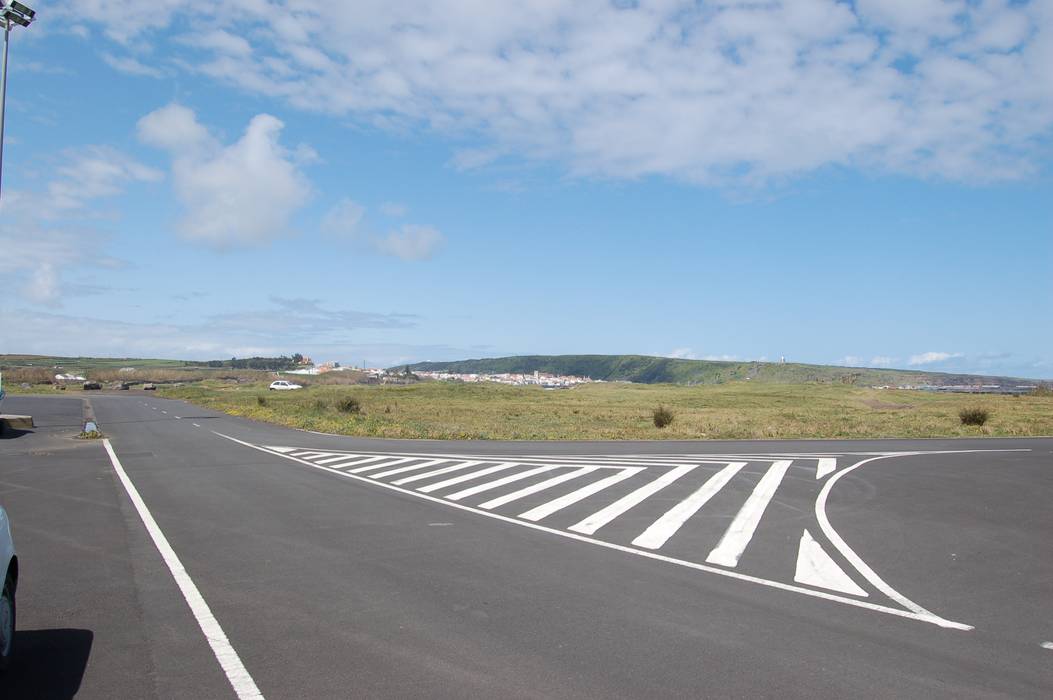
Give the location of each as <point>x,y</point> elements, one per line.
<point>321,404</point>
<point>349,404</point>
<point>974,416</point>
<point>261,400</point>
<point>662,417</point>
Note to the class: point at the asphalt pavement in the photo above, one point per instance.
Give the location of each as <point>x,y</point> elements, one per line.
<point>336,567</point>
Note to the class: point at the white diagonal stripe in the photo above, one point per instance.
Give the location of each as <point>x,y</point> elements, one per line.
<point>388,461</point>
<point>666,526</point>
<point>467,477</point>
<point>357,460</point>
<point>740,532</point>
<point>825,466</point>
<point>512,478</point>
<point>337,458</point>
<point>601,517</point>
<point>535,488</point>
<point>546,509</point>
<point>437,472</point>
<point>402,470</point>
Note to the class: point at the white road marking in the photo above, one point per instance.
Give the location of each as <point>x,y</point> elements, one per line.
<point>312,454</point>
<point>546,509</point>
<point>536,488</point>
<point>825,466</point>
<point>438,472</point>
<point>179,418</point>
<point>471,491</point>
<point>337,458</point>
<point>402,470</point>
<point>666,526</point>
<point>740,532</point>
<point>283,450</point>
<point>852,557</point>
<point>353,460</point>
<point>601,517</point>
<point>1046,645</point>
<point>654,556</point>
<point>228,658</point>
<point>195,425</point>
<point>165,412</point>
<point>381,464</point>
<point>816,568</point>
<point>466,477</point>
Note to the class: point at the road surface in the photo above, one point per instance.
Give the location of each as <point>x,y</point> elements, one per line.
<point>194,554</point>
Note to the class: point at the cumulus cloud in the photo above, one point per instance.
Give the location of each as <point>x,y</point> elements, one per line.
<point>234,195</point>
<point>682,354</point>
<point>929,358</point>
<point>409,242</point>
<point>395,210</point>
<point>343,219</point>
<point>704,92</point>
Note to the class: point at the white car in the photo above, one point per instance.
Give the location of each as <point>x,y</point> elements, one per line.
<point>282,385</point>
<point>9,564</point>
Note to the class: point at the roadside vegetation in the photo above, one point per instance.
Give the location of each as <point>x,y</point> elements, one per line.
<point>737,410</point>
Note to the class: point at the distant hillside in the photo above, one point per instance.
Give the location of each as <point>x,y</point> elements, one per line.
<point>658,370</point>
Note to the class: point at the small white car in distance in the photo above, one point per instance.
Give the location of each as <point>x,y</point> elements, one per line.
<point>282,385</point>
<point>9,572</point>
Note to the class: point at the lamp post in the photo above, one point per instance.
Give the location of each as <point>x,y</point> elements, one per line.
<point>16,12</point>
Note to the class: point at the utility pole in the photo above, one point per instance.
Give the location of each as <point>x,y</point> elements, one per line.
<point>10,11</point>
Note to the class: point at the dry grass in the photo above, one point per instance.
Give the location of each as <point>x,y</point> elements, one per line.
<point>738,410</point>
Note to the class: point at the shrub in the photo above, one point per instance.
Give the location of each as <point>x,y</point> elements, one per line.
<point>662,417</point>
<point>349,404</point>
<point>261,400</point>
<point>974,416</point>
<point>321,404</point>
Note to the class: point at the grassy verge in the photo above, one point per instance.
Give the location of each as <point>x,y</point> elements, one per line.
<point>738,410</point>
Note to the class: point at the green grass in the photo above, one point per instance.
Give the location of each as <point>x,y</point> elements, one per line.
<point>736,410</point>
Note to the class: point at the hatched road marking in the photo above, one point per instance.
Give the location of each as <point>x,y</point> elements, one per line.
<point>593,482</point>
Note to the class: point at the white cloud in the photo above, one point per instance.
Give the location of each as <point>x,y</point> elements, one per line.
<point>852,361</point>
<point>410,242</point>
<point>395,210</point>
<point>236,195</point>
<point>704,92</point>
<point>682,354</point>
<point>928,358</point>
<point>131,66</point>
<point>51,231</point>
<point>343,219</point>
<point>882,361</point>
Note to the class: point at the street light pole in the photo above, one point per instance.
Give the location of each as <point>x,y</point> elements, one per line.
<point>10,11</point>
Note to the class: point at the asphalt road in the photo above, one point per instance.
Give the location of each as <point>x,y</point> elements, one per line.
<point>339,567</point>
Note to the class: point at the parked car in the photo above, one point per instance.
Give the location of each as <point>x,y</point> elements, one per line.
<point>149,387</point>
<point>282,385</point>
<point>92,386</point>
<point>9,564</point>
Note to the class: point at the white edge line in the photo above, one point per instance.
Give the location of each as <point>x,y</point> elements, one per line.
<point>228,658</point>
<point>847,552</point>
<point>930,618</point>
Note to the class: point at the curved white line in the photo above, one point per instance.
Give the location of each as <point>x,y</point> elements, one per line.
<point>851,556</point>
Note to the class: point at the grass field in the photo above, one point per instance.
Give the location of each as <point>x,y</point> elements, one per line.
<point>737,410</point>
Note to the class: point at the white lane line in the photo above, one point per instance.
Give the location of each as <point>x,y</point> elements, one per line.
<point>851,556</point>
<point>195,425</point>
<point>227,657</point>
<point>666,526</point>
<point>816,568</point>
<point>337,458</point>
<point>511,479</point>
<point>467,477</point>
<point>654,556</point>
<point>384,462</point>
<point>438,472</point>
<point>825,466</point>
<point>546,509</point>
<point>601,517</point>
<point>535,488</point>
<point>740,532</point>
<point>1046,645</point>
<point>403,470</point>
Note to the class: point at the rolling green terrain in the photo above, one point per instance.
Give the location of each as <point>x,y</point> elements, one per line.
<point>664,370</point>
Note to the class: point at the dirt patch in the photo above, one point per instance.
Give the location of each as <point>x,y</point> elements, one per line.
<point>885,405</point>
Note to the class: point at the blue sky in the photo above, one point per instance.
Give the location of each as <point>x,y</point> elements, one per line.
<point>862,183</point>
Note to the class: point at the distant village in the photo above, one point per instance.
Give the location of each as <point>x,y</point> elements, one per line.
<point>401,376</point>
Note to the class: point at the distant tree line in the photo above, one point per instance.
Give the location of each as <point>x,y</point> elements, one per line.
<point>266,363</point>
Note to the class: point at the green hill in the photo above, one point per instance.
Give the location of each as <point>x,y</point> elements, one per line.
<point>665,370</point>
